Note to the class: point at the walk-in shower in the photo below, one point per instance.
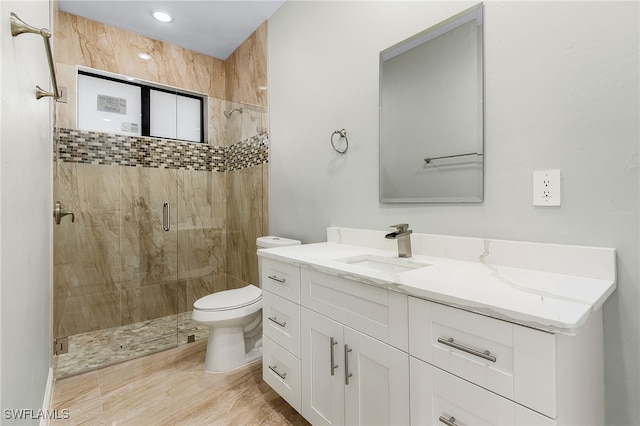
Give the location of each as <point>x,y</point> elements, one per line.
<point>124,280</point>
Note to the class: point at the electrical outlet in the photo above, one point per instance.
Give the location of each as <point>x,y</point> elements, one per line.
<point>546,188</point>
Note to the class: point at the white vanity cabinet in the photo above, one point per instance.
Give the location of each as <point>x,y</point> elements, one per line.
<point>345,350</point>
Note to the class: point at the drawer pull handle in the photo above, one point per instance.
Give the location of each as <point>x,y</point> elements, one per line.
<point>332,343</point>
<point>275,319</point>
<point>347,349</point>
<point>450,342</point>
<point>275,278</point>
<point>451,421</point>
<point>274,368</point>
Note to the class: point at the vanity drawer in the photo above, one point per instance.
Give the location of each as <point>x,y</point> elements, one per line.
<point>510,360</point>
<point>471,405</point>
<point>281,371</point>
<point>280,278</point>
<point>370,309</point>
<point>437,396</point>
<point>281,322</point>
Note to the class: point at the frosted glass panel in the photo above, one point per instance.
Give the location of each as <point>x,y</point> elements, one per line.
<point>188,119</point>
<point>163,114</point>
<point>108,106</point>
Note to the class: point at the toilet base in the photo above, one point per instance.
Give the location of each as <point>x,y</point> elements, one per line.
<point>226,350</point>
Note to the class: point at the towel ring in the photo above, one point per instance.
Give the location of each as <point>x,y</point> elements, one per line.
<point>343,134</point>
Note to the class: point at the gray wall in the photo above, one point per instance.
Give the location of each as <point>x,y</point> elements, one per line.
<point>561,92</point>
<point>25,213</point>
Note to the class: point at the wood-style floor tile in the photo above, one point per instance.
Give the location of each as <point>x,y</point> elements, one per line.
<point>172,388</point>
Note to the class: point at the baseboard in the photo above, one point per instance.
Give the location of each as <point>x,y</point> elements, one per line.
<point>48,396</point>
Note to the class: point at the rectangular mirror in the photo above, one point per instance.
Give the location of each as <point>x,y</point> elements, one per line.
<point>431,114</point>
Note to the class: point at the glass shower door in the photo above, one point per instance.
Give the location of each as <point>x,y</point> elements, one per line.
<point>115,267</point>
<point>149,253</point>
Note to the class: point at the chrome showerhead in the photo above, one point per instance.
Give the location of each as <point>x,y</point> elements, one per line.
<point>228,113</point>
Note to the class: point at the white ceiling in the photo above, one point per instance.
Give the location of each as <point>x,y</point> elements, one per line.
<point>212,27</point>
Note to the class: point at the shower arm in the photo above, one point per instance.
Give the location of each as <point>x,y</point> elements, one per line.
<point>228,113</point>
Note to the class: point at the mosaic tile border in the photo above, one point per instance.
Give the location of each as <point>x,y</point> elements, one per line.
<point>251,152</point>
<point>79,146</point>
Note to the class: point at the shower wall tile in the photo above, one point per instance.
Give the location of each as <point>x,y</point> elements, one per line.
<point>246,70</point>
<point>91,265</point>
<point>87,313</point>
<point>232,282</point>
<point>148,252</point>
<point>201,219</point>
<point>200,252</point>
<point>217,122</point>
<point>243,126</point>
<point>80,41</point>
<point>145,303</point>
<point>200,287</point>
<point>86,252</point>
<point>201,201</point>
<point>244,222</point>
<point>98,198</point>
<point>65,112</point>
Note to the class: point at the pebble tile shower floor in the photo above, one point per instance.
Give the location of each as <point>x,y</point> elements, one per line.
<point>88,351</point>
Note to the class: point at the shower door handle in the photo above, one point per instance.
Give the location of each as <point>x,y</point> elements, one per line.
<point>166,216</point>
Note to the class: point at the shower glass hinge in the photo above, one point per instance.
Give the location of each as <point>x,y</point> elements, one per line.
<point>60,345</point>
<point>191,338</point>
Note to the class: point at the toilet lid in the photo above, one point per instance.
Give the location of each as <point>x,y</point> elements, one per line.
<point>229,299</point>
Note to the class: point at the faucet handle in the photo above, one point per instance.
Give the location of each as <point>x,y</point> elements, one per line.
<point>401,227</point>
<point>59,213</point>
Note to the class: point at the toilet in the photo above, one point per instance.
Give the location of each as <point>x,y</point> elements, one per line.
<point>234,318</point>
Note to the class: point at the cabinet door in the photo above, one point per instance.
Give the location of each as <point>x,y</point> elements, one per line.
<point>376,381</point>
<point>322,380</point>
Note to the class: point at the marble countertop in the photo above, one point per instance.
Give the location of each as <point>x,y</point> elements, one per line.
<point>553,302</point>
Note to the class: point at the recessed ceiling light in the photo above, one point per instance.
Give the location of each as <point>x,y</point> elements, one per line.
<point>144,56</point>
<point>161,15</point>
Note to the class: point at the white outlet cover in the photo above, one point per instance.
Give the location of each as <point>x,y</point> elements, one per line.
<point>547,188</point>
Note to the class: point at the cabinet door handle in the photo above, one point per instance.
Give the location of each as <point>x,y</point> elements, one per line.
<point>332,343</point>
<point>166,219</point>
<point>450,342</point>
<point>274,368</point>
<point>275,319</point>
<point>451,421</point>
<point>346,364</point>
<point>275,278</point>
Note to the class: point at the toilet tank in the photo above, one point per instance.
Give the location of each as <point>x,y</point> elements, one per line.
<point>273,241</point>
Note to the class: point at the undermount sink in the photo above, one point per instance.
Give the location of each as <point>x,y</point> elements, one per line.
<point>382,264</point>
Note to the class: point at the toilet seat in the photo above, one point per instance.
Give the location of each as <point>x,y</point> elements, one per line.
<point>229,299</point>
